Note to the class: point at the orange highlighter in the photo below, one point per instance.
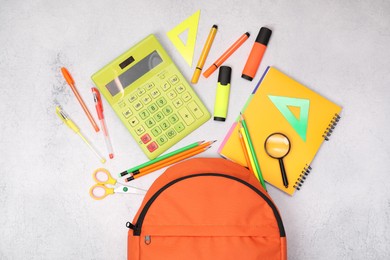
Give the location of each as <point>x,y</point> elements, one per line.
<point>256,54</point>
<point>70,82</point>
<point>99,109</point>
<point>226,54</point>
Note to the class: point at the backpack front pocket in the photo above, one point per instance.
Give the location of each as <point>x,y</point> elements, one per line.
<point>207,242</point>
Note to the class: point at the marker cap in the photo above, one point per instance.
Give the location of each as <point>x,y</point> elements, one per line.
<point>224,75</point>
<point>264,35</point>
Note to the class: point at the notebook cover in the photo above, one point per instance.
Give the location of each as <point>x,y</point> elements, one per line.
<point>279,104</point>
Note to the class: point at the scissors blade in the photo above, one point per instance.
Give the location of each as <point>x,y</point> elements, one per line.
<point>127,189</point>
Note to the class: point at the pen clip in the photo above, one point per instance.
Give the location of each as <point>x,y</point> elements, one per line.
<point>98,102</point>
<point>66,119</point>
<point>61,114</point>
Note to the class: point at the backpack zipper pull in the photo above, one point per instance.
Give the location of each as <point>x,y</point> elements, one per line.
<point>148,240</point>
<point>130,225</point>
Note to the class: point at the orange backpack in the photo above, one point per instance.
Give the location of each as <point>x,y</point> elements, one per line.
<point>207,208</point>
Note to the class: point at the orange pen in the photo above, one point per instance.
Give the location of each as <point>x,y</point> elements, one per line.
<point>226,54</point>
<point>70,82</point>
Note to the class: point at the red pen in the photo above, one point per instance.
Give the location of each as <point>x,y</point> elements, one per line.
<point>99,109</point>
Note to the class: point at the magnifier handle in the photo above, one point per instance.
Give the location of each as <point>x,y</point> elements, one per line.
<point>284,175</point>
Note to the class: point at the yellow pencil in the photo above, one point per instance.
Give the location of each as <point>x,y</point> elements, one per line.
<point>250,156</point>
<point>252,151</point>
<point>203,56</point>
<point>248,162</point>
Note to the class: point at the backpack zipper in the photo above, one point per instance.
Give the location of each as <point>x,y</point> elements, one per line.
<point>138,226</point>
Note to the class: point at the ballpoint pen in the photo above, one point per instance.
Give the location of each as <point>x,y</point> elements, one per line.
<point>99,109</point>
<point>71,83</point>
<point>66,119</point>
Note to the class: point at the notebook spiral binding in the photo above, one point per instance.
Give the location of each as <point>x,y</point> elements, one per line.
<point>329,130</point>
<point>302,177</point>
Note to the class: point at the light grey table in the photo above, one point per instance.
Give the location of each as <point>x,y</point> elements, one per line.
<point>338,48</point>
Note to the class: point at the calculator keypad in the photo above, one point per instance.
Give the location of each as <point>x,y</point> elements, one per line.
<point>161,110</point>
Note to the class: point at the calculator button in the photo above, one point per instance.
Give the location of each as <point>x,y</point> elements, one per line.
<point>166,86</point>
<point>146,138</point>
<point>134,121</point>
<point>171,133</point>
<point>180,88</point>
<point>146,99</point>
<point>162,140</point>
<point>174,80</point>
<point>127,113</point>
<point>140,130</point>
<point>161,101</point>
<point>167,110</point>
<point>179,127</point>
<point>159,116</point>
<point>173,119</point>
<point>164,125</point>
<point>195,109</point>
<point>171,94</point>
<point>177,103</point>
<point>186,97</point>
<point>144,114</point>
<point>150,122</point>
<point>186,115</point>
<point>138,105</point>
<point>156,131</point>
<point>152,146</point>
<point>132,98</point>
<point>149,85</point>
<point>153,108</point>
<point>155,93</point>
<point>141,91</point>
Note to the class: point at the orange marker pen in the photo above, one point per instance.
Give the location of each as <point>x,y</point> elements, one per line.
<point>256,54</point>
<point>226,54</point>
<point>70,82</point>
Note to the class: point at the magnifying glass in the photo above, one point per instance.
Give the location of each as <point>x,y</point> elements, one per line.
<point>277,146</point>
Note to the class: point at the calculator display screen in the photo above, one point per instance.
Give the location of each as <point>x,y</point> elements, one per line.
<point>138,70</point>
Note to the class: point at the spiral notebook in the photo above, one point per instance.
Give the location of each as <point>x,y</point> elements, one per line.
<point>280,104</point>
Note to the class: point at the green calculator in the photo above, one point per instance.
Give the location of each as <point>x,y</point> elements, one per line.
<point>151,97</point>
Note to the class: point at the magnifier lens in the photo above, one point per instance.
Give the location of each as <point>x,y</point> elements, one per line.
<point>277,146</point>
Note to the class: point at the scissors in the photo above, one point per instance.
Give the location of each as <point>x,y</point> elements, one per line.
<point>100,190</point>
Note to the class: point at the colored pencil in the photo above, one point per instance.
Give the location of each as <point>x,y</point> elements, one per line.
<point>243,146</point>
<point>252,151</point>
<point>147,168</point>
<point>168,162</point>
<point>185,148</point>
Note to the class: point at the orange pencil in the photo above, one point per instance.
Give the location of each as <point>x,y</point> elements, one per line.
<point>70,82</point>
<point>167,163</point>
<point>248,162</point>
<point>147,168</point>
<point>226,54</point>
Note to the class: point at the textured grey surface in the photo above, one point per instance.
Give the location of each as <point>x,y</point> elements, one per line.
<point>338,48</point>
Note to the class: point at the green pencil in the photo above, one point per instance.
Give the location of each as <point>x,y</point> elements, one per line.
<point>136,168</point>
<point>252,150</point>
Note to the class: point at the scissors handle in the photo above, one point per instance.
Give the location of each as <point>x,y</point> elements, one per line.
<point>99,191</point>
<point>103,176</point>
